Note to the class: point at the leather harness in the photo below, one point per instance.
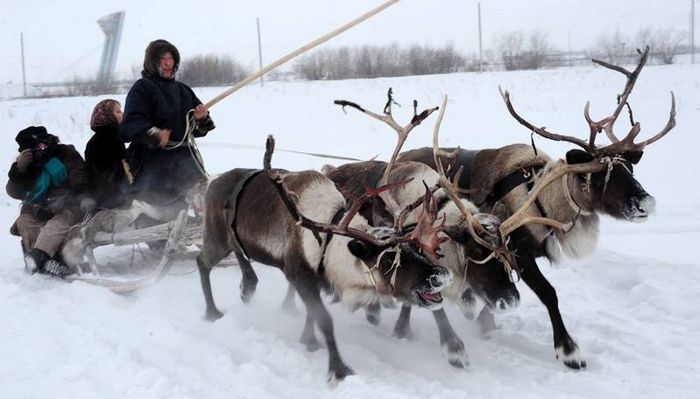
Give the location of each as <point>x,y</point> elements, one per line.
<point>233,205</point>
<point>514,179</point>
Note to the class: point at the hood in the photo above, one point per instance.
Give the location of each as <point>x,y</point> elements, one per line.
<point>103,115</point>
<point>151,59</point>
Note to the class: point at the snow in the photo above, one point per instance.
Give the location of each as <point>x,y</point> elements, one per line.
<point>632,305</point>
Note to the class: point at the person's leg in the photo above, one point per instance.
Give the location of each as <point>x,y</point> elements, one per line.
<point>54,232</point>
<point>28,227</point>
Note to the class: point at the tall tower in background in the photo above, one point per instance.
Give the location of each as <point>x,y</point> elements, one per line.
<point>112,27</point>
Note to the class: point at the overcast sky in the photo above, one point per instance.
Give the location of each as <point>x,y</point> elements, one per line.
<point>62,38</point>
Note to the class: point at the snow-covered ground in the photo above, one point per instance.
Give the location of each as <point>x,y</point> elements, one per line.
<point>633,306</point>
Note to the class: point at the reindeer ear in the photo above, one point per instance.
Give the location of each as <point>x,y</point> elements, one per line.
<point>578,156</point>
<point>361,249</point>
<point>458,233</point>
<point>499,210</point>
<point>633,156</point>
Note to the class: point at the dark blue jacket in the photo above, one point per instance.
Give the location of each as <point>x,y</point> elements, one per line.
<point>156,102</point>
<point>163,103</point>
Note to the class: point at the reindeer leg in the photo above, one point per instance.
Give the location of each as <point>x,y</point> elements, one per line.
<point>288,303</point>
<point>486,320</point>
<point>565,347</point>
<point>467,303</point>
<point>373,313</point>
<point>452,345</point>
<point>205,264</point>
<point>308,337</point>
<point>402,328</point>
<point>306,284</point>
<point>249,280</point>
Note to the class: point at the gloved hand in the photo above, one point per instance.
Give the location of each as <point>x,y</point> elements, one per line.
<point>24,159</point>
<point>156,137</point>
<point>87,205</point>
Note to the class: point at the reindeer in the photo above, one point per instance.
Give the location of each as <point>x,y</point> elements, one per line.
<point>489,280</point>
<point>288,220</point>
<point>590,181</point>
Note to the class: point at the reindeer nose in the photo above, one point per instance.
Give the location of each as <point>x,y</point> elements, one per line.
<point>646,205</point>
<point>440,278</point>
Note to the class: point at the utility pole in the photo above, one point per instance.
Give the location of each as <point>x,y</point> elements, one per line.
<point>569,50</point>
<point>692,31</point>
<point>24,76</point>
<point>481,54</point>
<point>259,51</point>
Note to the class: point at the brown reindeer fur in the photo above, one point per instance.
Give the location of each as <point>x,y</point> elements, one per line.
<point>484,168</point>
<point>495,164</point>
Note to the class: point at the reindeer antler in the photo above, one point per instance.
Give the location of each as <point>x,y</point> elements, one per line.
<point>606,124</point>
<point>370,192</point>
<point>425,234</point>
<point>520,217</point>
<point>388,118</point>
<point>540,130</point>
<point>342,228</point>
<point>473,226</point>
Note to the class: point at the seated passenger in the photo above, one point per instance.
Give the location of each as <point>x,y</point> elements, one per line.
<point>51,181</point>
<point>104,154</point>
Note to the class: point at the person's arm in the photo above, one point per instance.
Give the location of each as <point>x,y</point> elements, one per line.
<point>204,123</point>
<point>78,178</point>
<point>20,180</point>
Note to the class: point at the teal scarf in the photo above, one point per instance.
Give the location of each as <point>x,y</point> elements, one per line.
<point>53,173</point>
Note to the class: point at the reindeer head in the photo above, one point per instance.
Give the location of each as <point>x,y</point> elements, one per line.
<point>602,177</point>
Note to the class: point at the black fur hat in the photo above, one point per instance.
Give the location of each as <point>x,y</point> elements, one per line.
<point>154,51</point>
<point>31,136</point>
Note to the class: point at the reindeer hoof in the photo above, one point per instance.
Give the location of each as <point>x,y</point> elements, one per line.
<point>403,332</point>
<point>570,355</point>
<point>338,374</point>
<point>312,344</point>
<point>453,350</point>
<point>248,290</point>
<point>372,314</point>
<point>373,319</point>
<point>487,322</point>
<point>213,315</point>
<point>456,355</point>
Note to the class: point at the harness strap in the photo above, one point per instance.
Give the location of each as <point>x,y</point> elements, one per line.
<point>512,180</point>
<point>321,263</point>
<point>233,205</point>
<point>567,194</point>
<point>538,204</point>
<point>374,276</point>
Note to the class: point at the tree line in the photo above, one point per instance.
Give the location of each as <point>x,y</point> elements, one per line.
<point>515,50</point>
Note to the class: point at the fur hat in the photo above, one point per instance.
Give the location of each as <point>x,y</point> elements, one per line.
<point>31,136</point>
<point>151,60</point>
<point>103,114</point>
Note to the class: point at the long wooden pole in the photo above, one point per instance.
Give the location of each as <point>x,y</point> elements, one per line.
<point>299,51</point>
<point>257,21</point>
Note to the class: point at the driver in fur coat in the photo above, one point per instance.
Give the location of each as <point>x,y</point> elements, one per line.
<point>162,165</point>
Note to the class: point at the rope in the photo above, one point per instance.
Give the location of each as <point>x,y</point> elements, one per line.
<point>188,137</point>
<point>393,270</point>
<point>259,147</point>
<point>567,194</point>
